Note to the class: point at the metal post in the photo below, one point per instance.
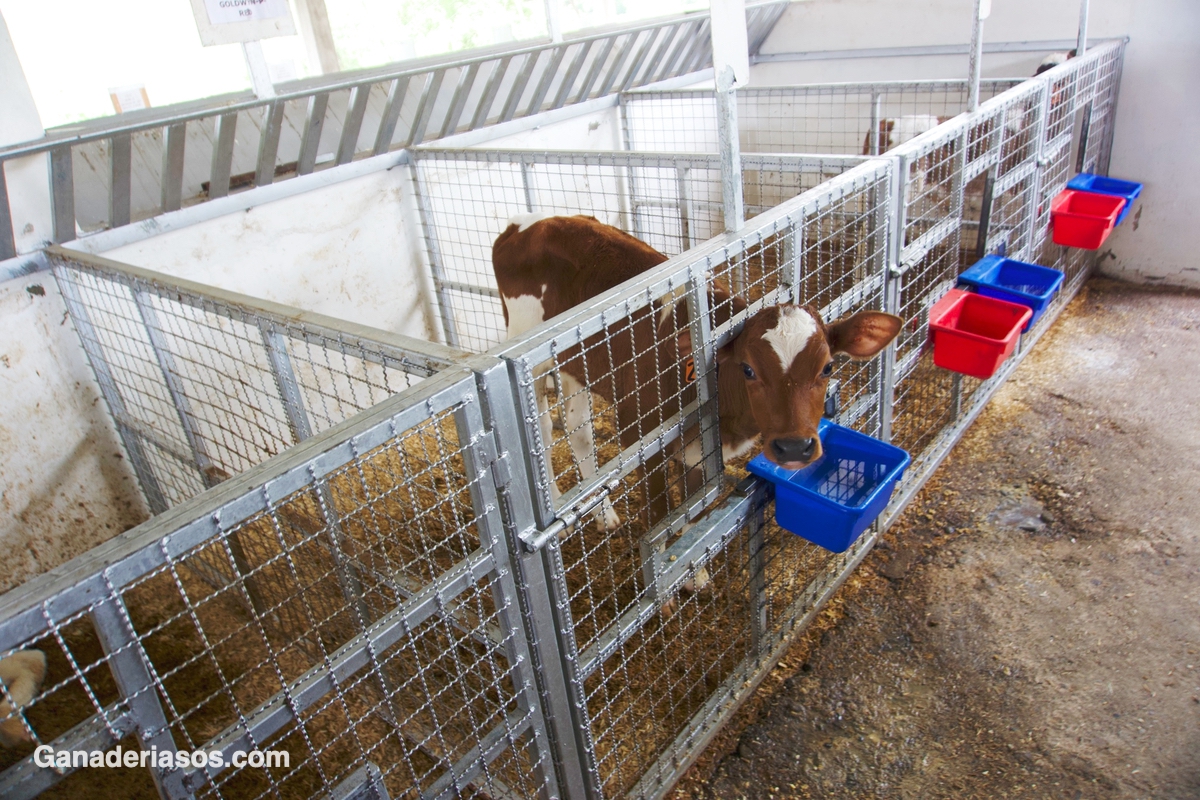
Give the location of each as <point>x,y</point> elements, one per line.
<point>565,722</point>
<point>893,221</point>
<point>553,26</point>
<point>260,73</point>
<point>155,498</point>
<point>1081,44</point>
<point>526,185</point>
<point>425,213</point>
<point>139,686</point>
<point>209,472</point>
<point>731,154</point>
<point>759,641</point>
<point>876,117</point>
<point>982,9</point>
<point>686,238</point>
<point>985,214</point>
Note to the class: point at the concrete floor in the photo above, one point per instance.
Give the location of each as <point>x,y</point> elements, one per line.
<point>1031,627</point>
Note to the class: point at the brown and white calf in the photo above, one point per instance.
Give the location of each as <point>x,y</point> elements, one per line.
<point>772,377</point>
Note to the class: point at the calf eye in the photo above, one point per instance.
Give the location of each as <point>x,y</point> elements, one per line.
<point>828,370</point>
<point>748,372</point>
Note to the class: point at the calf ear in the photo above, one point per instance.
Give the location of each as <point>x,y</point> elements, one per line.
<point>864,334</point>
<point>683,341</point>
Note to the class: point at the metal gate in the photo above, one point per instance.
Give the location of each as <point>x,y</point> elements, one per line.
<point>835,118</point>
<point>670,200</point>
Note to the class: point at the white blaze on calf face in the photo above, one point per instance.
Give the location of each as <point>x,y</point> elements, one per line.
<point>791,334</point>
<point>523,221</point>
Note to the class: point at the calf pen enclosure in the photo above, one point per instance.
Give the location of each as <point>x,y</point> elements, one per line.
<point>414,600</point>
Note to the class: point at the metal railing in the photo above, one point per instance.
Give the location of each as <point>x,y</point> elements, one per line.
<point>835,118</point>
<point>670,200</point>
<point>418,602</point>
<point>112,172</point>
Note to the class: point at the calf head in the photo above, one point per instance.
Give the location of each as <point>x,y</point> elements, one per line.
<point>782,361</point>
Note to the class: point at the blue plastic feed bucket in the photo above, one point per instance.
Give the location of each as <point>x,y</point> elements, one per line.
<point>1015,281</point>
<point>1086,182</point>
<point>833,500</point>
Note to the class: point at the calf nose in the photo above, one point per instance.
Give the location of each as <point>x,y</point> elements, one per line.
<point>792,450</point>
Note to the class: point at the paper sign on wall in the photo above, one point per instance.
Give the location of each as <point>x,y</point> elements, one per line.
<point>129,98</point>
<point>223,12</point>
<point>230,21</point>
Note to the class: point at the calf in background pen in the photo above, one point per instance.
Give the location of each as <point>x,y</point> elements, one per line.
<point>1053,60</point>
<point>772,376</point>
<point>22,674</point>
<point>894,132</point>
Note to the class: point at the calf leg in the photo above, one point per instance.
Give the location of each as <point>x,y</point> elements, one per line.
<point>578,402</point>
<point>693,479</point>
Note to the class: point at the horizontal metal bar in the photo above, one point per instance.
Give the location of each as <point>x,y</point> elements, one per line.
<point>495,742</point>
<point>775,162</point>
<point>96,734</point>
<point>928,240</point>
<point>1033,46</point>
<point>1013,177</point>
<point>104,241</point>
<point>973,169</point>
<point>287,318</point>
<point>852,297</point>
<point>647,93</point>
<point>339,668</point>
<point>66,590</point>
<point>20,266</point>
<point>698,544</point>
<point>150,436</point>
<point>468,288</point>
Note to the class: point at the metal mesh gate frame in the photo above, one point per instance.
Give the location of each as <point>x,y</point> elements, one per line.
<point>993,173</point>
<point>834,118</point>
<point>670,200</point>
<point>202,383</point>
<point>422,681</point>
<point>828,247</point>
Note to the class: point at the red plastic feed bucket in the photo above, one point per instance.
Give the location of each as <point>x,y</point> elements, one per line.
<point>973,334</point>
<point>1084,219</point>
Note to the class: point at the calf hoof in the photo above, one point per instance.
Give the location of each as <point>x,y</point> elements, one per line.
<point>668,608</point>
<point>606,517</point>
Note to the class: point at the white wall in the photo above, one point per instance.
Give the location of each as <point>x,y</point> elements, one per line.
<point>1157,109</point>
<point>347,250</point>
<point>64,484</point>
<point>27,178</point>
<point>1157,118</point>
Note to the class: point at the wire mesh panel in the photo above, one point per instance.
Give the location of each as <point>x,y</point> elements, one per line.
<point>842,118</point>
<point>1013,156</point>
<point>670,201</point>
<point>639,567</point>
<point>368,617</point>
<point>203,384</point>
